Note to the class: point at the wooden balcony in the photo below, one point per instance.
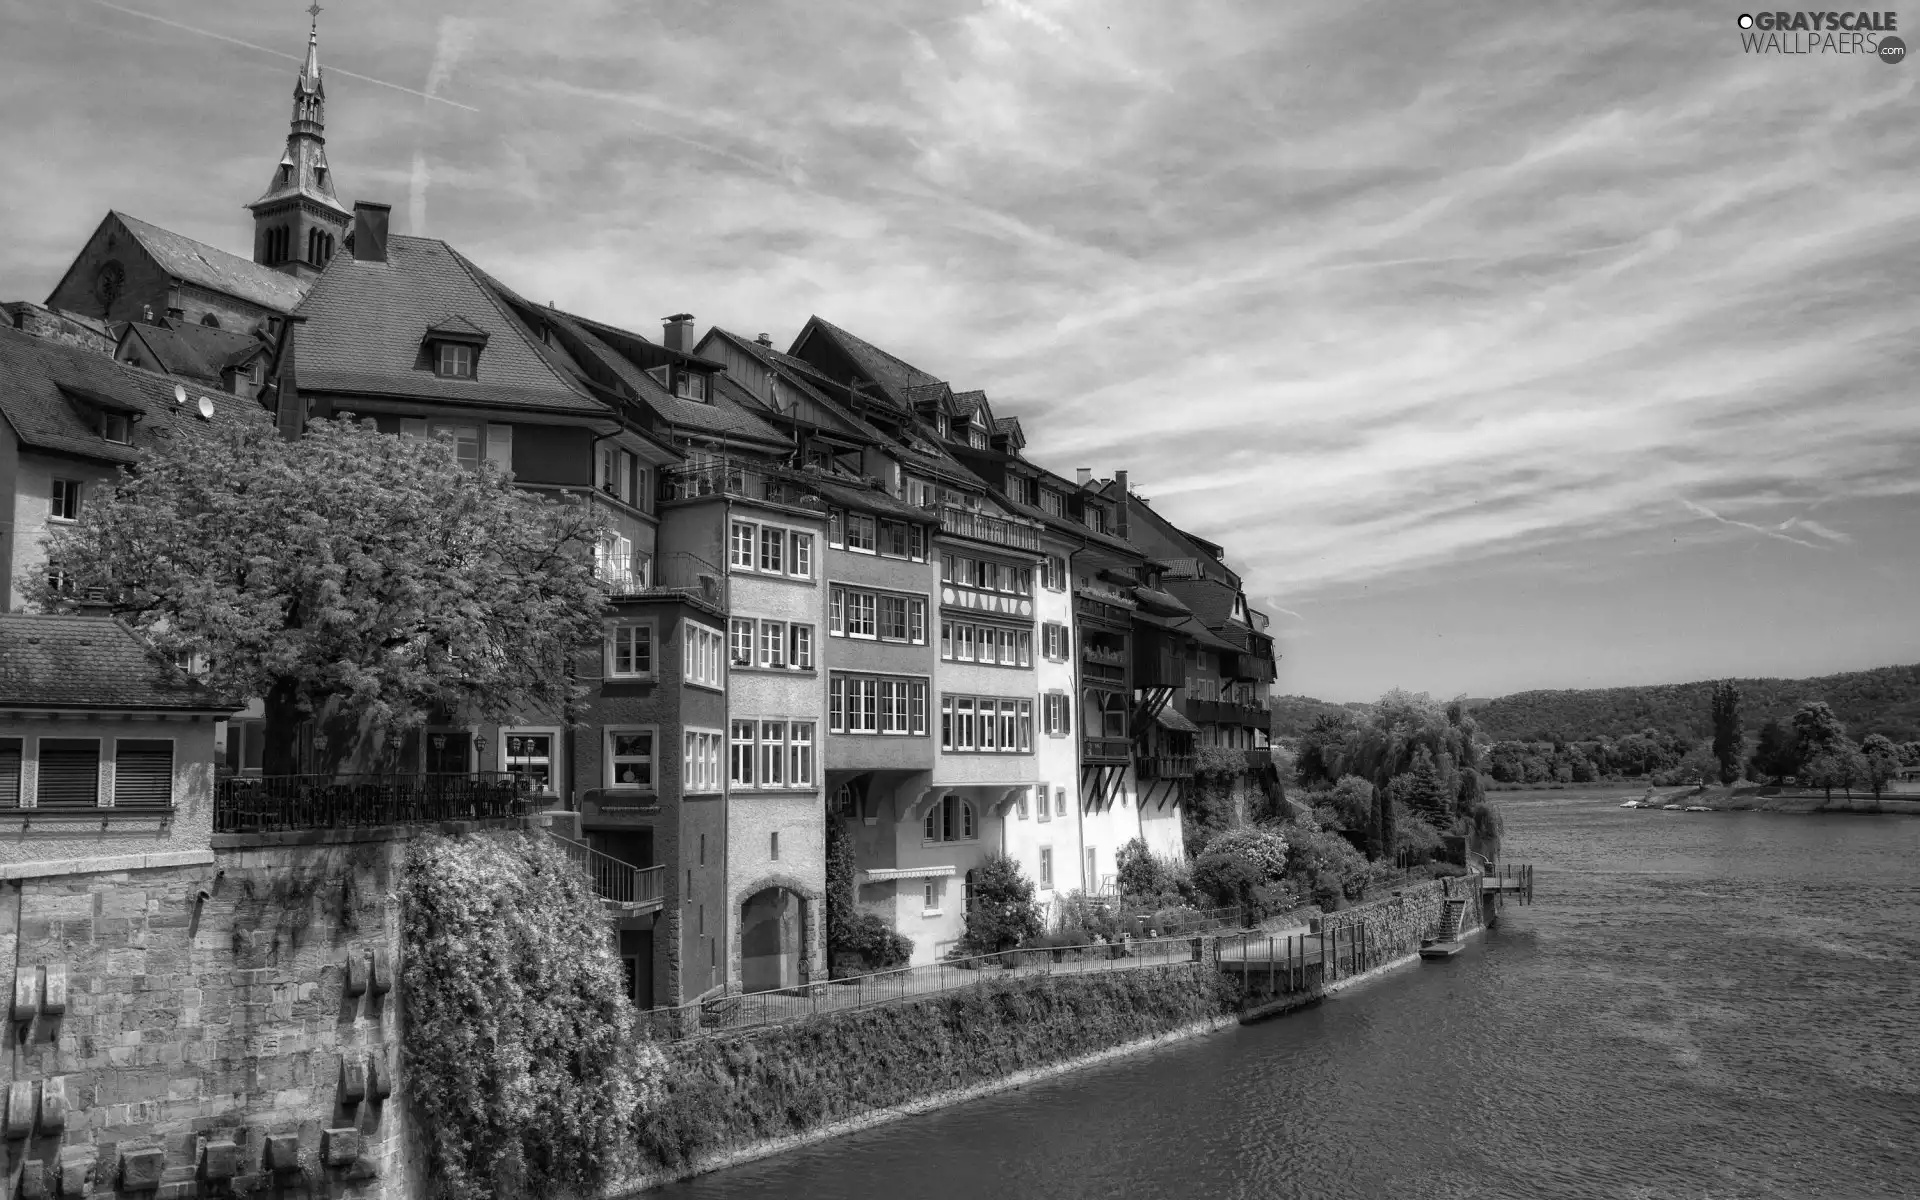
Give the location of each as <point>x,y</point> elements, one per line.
<point>1165,766</point>
<point>1108,666</point>
<point>633,890</point>
<point>731,477</point>
<point>1106,751</point>
<point>980,527</point>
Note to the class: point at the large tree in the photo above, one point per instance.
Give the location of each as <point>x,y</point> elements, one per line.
<point>1777,755</point>
<point>366,578</point>
<point>1727,736</point>
<point>1880,759</point>
<point>1817,730</point>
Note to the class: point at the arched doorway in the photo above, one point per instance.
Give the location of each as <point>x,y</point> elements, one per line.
<point>772,940</point>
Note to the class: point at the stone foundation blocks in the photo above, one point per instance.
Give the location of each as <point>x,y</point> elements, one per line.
<point>339,1147</point>
<point>26,993</point>
<point>356,975</point>
<point>53,1104</point>
<point>283,1153</point>
<point>35,1183</point>
<point>54,1001</point>
<point>76,1165</point>
<point>353,1079</point>
<point>140,1169</point>
<point>20,1109</point>
<point>221,1161</point>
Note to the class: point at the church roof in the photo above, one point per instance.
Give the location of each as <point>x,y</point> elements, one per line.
<point>40,378</point>
<point>214,269</point>
<point>366,322</point>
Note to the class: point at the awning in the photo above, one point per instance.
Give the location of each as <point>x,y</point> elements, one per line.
<point>886,874</point>
<point>1172,718</point>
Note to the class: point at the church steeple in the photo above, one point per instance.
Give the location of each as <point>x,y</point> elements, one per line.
<point>298,223</point>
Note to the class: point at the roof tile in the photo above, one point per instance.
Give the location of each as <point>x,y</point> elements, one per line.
<point>68,661</point>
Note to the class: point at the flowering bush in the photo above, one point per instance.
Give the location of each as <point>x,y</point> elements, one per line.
<point>1264,848</point>
<point>523,1064</point>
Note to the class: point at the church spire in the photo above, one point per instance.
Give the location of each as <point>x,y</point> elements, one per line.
<point>298,221</point>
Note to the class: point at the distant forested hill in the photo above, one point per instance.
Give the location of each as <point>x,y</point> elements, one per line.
<point>1293,714</point>
<point>1884,700</point>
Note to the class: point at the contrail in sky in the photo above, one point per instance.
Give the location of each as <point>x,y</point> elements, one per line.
<point>134,12</point>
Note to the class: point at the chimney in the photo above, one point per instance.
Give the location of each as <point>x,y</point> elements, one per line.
<point>1086,476</point>
<point>1120,477</point>
<point>764,340</point>
<point>680,332</point>
<point>370,231</point>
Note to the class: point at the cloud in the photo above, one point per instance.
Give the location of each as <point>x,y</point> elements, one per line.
<point>1765,531</point>
<point>455,38</point>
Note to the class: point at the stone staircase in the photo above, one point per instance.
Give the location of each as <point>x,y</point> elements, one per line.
<point>1450,921</point>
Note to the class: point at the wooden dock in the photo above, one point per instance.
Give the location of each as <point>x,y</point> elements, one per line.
<point>1510,880</point>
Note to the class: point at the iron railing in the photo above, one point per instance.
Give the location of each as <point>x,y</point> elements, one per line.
<point>980,527</point>
<point>619,882</point>
<point>669,574</point>
<point>280,802</point>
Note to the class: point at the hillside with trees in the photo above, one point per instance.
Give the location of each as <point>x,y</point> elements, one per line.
<point>1885,701</point>
<point>1294,715</point>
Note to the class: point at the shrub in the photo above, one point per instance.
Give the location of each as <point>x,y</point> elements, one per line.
<point>1083,918</point>
<point>1001,912</point>
<point>1322,866</point>
<point>1413,836</point>
<point>522,1058</point>
<point>1352,801</point>
<point>1147,878</point>
<point>868,935</point>
<point>1264,847</point>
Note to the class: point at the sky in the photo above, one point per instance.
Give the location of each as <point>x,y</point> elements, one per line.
<point>1503,346</point>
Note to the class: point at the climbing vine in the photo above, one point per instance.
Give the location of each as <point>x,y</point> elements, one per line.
<point>524,1069</point>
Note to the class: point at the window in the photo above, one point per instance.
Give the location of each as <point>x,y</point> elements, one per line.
<point>740,546</point>
<point>872,704</point>
<point>773,546</point>
<point>800,754</point>
<point>1060,802</point>
<point>860,532</point>
<point>1056,714</point>
<point>1052,503</point>
<point>855,613</point>
<point>894,539</point>
<point>773,644</point>
<point>455,361</point>
<point>630,758</point>
<point>1055,573</point>
<point>800,652</point>
<point>773,845</point>
<point>10,757</point>
<point>1054,641</point>
<point>702,761</point>
<point>861,607</point>
<point>705,649</point>
<point>69,773</point>
<point>66,500</point>
<point>1021,804</point>
<point>115,428</point>
<point>801,561</point>
<point>740,642</point>
<point>530,757</point>
<point>143,772</point>
<point>773,741</point>
<point>466,439</point>
<point>989,644</point>
<point>951,820</point>
<point>630,652</point>
<point>740,760</point>
<point>690,384</point>
<point>987,724</point>
<point>931,894</point>
<point>613,473</point>
<point>836,528</point>
<point>1096,518</point>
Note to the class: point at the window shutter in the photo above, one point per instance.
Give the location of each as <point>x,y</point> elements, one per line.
<point>69,773</point>
<point>413,427</point>
<point>500,446</point>
<point>9,772</point>
<point>142,772</point>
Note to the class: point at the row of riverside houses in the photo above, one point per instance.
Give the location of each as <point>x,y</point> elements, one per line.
<point>839,591</point>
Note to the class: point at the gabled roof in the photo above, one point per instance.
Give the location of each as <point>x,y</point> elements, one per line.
<point>964,404</point>
<point>1210,599</point>
<point>34,372</point>
<point>892,374</point>
<point>214,269</point>
<point>798,374</point>
<point>366,322</point>
<point>456,326</point>
<point>726,417</point>
<point>195,351</point>
<point>58,660</point>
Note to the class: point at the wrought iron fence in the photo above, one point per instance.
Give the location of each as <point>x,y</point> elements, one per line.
<point>732,477</point>
<point>679,573</point>
<point>285,802</point>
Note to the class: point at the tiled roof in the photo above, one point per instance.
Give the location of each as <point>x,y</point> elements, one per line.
<point>964,403</point>
<point>366,323</point>
<point>199,263</point>
<point>1008,425</point>
<point>725,417</point>
<point>1210,600</point>
<point>32,372</point>
<point>457,326</point>
<point>197,351</point>
<point>64,661</point>
<point>795,372</point>
<point>849,493</point>
<point>893,375</point>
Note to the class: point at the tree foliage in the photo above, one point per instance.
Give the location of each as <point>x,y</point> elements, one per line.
<point>349,573</point>
<point>1728,740</point>
<point>522,1058</point>
<point>1777,755</point>
<point>1879,761</point>
<point>1001,912</point>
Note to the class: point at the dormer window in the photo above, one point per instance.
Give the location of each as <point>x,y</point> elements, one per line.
<point>455,361</point>
<point>976,437</point>
<point>1096,518</point>
<point>1052,503</point>
<point>116,428</point>
<point>690,385</point>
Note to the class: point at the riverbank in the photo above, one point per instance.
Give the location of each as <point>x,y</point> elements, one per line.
<point>1746,798</point>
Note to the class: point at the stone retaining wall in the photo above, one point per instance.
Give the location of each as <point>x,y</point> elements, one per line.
<point>1396,924</point>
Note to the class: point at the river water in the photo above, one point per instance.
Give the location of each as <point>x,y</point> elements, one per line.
<point>1696,1005</point>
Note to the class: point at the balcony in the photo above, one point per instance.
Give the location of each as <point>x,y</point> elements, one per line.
<point>1105,665</point>
<point>289,802</point>
<point>1227,712</point>
<point>1165,766</point>
<point>1107,751</point>
<point>728,477</point>
<point>963,522</point>
<point>665,577</point>
<point>634,890</point>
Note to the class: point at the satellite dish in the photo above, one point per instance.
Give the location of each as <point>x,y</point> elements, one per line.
<point>179,394</point>
<point>206,409</point>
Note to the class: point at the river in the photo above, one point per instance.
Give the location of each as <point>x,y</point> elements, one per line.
<point>1696,1005</point>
